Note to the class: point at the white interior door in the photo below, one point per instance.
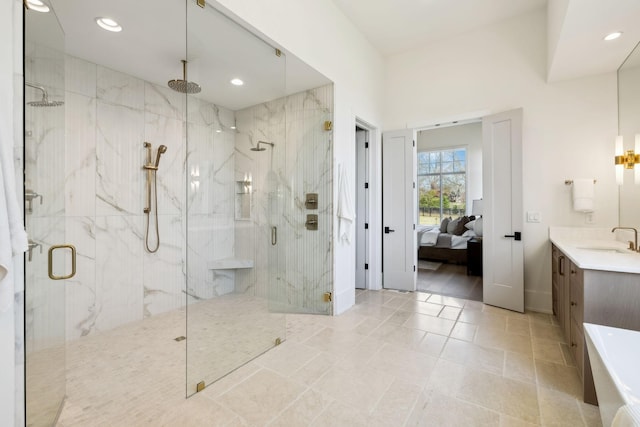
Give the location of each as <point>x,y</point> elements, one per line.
<point>362,213</point>
<point>399,251</point>
<point>503,269</point>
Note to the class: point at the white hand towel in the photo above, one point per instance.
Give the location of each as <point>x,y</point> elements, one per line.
<point>583,195</point>
<point>13,238</point>
<point>627,416</point>
<point>345,212</point>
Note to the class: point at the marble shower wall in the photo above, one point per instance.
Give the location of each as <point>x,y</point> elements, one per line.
<point>297,271</point>
<point>108,117</point>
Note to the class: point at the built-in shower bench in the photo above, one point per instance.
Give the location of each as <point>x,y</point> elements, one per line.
<point>230,264</point>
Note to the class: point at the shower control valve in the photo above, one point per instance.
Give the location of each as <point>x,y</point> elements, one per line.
<point>29,196</point>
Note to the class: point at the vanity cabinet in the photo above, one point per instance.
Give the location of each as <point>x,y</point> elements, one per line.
<point>594,296</point>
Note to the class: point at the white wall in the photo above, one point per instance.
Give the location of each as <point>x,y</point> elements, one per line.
<point>469,136</point>
<point>568,131</point>
<point>321,36</point>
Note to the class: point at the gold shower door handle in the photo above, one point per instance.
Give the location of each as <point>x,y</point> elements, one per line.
<point>274,236</point>
<point>73,262</point>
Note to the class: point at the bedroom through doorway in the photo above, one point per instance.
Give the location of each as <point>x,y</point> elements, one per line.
<point>449,217</point>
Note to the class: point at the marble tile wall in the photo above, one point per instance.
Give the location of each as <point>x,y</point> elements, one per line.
<point>297,271</point>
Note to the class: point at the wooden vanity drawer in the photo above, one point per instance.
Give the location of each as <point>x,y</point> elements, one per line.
<point>576,293</point>
<point>577,345</point>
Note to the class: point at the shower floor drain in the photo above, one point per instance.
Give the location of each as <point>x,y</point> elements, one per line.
<point>180,338</point>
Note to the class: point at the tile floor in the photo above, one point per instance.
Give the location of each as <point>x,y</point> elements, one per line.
<point>394,359</point>
<point>450,280</point>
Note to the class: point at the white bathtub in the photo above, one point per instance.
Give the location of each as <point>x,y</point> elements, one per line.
<point>614,354</point>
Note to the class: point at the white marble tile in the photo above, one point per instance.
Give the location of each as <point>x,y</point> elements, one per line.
<point>119,270</point>
<point>81,303</point>
<point>161,130</point>
<point>118,88</point>
<point>80,76</point>
<point>80,155</point>
<point>164,271</point>
<point>164,101</point>
<point>119,152</point>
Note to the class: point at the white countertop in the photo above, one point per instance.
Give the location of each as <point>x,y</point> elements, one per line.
<point>595,250</point>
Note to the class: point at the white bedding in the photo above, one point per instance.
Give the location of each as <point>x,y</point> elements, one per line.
<point>428,236</point>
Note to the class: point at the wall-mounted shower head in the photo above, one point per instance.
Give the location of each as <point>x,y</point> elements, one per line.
<point>44,102</point>
<point>258,148</point>
<point>161,150</point>
<point>182,85</point>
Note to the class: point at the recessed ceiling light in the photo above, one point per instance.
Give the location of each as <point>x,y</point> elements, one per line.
<point>613,36</point>
<point>109,24</point>
<point>37,5</point>
<point>237,82</point>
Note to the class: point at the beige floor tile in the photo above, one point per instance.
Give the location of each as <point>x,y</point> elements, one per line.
<point>303,411</point>
<point>450,301</point>
<point>547,332</point>
<point>520,367</point>
<point>559,377</point>
<point>395,302</point>
<point>341,414</point>
<point>510,397</point>
<point>337,342</point>
<point>314,369</point>
<point>359,387</point>
<point>422,307</point>
<point>446,378</point>
<point>432,324</point>
<point>518,326</point>
<point>287,357</point>
<point>398,335</point>
<point>464,331</point>
<point>407,365</point>
<point>473,355</point>
<point>450,313</point>
<point>551,351</point>
<point>446,411</point>
<point>486,320</point>
<point>432,344</point>
<point>507,421</point>
<point>474,305</point>
<point>261,397</point>
<point>399,317</point>
<point>567,355</point>
<point>489,337</point>
<point>556,409</point>
<point>540,317</point>
<point>198,410</point>
<point>396,404</point>
<point>231,380</point>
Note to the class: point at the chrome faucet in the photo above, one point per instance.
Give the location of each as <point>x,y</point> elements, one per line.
<point>632,245</point>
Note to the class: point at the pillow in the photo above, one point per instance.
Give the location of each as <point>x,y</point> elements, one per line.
<point>453,226</point>
<point>469,233</point>
<point>444,224</point>
<point>470,224</point>
<point>477,227</point>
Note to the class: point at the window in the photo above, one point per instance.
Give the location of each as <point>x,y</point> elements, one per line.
<point>442,184</point>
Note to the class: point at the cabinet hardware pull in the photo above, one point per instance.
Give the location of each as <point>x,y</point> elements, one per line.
<point>561,266</point>
<point>574,344</point>
<point>574,303</point>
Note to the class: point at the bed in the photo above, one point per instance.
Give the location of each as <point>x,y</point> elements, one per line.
<point>449,245</point>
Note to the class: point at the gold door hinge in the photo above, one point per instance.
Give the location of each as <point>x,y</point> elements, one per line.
<point>202,3</point>
<point>278,52</point>
<point>327,297</point>
<point>200,386</point>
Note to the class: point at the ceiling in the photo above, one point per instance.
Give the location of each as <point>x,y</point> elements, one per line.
<point>158,34</point>
<point>575,27</point>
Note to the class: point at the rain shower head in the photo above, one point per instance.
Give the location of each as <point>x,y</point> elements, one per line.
<point>44,102</point>
<point>258,148</point>
<point>182,85</point>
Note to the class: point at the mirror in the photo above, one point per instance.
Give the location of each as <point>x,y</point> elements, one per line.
<point>628,127</point>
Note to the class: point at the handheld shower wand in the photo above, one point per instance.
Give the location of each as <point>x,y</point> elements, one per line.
<point>152,169</point>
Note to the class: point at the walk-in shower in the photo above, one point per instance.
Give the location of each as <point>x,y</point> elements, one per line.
<point>141,328</point>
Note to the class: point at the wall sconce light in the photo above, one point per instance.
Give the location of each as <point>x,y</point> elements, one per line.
<point>627,159</point>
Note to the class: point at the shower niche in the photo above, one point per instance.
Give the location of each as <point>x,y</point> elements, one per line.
<point>242,199</point>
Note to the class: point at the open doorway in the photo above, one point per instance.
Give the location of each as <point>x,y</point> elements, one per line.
<point>362,207</point>
<point>449,224</point>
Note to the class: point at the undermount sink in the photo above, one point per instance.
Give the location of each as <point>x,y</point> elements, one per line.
<point>606,249</point>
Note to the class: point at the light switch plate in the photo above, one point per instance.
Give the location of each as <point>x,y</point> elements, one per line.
<point>534,216</point>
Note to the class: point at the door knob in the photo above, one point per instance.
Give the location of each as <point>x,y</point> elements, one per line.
<point>387,230</point>
<point>517,235</point>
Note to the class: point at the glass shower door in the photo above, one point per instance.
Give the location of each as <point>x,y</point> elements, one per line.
<point>47,264</point>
